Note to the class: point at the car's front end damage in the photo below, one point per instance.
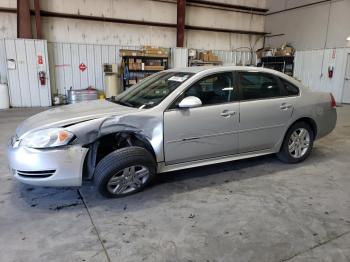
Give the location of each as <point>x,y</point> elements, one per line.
<point>47,167</point>
<point>65,151</point>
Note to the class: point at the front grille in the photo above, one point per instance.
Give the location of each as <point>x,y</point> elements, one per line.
<point>36,174</point>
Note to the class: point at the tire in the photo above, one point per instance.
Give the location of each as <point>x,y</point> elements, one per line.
<point>123,172</point>
<point>286,153</point>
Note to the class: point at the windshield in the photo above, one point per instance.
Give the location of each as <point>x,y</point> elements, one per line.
<point>152,90</point>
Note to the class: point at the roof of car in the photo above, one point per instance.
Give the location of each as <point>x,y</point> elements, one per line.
<point>198,69</point>
<point>213,69</point>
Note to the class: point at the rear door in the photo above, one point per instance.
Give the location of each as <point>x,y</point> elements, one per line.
<point>265,109</point>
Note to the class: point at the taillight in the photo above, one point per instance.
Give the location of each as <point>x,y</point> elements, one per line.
<point>333,103</point>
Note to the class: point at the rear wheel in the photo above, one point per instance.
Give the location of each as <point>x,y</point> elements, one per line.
<point>297,144</point>
<point>124,172</point>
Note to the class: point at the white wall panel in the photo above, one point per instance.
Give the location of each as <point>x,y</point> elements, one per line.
<point>313,27</point>
<point>65,59</point>
<point>179,57</point>
<point>13,78</point>
<point>83,60</point>
<point>91,65</point>
<point>23,80</point>
<point>309,69</point>
<point>34,88</point>
<point>45,91</point>
<point>3,63</point>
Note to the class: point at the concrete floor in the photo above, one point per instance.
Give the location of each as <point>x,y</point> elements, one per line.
<point>251,210</point>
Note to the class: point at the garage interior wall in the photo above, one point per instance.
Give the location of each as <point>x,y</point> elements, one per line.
<point>57,29</point>
<point>65,58</point>
<point>71,42</point>
<point>19,68</point>
<point>318,31</point>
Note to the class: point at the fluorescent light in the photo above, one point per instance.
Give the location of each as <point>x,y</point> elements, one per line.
<point>348,38</point>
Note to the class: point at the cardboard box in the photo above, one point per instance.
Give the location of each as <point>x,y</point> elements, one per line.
<point>155,68</point>
<point>154,63</point>
<point>127,52</point>
<point>288,51</point>
<point>135,66</point>
<point>155,51</point>
<point>132,81</point>
<point>267,51</point>
<point>204,56</point>
<point>212,57</point>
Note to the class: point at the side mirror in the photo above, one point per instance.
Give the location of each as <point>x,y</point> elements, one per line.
<point>190,102</point>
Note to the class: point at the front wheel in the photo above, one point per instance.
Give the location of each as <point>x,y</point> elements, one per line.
<point>124,172</point>
<point>297,144</point>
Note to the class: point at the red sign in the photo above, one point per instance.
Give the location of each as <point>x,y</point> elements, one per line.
<point>40,60</point>
<point>82,67</point>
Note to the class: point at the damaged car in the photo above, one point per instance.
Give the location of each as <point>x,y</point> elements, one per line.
<point>172,120</point>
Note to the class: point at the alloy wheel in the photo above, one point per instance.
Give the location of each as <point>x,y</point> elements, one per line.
<point>299,143</point>
<point>128,180</point>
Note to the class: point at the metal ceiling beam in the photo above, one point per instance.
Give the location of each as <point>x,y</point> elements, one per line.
<point>231,6</point>
<point>146,23</point>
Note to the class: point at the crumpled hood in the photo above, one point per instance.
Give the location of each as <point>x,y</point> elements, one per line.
<point>70,114</point>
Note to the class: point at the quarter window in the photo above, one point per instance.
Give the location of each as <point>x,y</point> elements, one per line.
<point>213,89</point>
<point>291,89</point>
<point>258,86</point>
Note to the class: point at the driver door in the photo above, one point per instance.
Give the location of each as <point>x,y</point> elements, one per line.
<point>207,131</point>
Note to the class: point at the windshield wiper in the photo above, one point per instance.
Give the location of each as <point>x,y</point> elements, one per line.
<point>123,103</point>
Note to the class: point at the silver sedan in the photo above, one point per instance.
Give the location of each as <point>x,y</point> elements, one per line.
<point>172,120</point>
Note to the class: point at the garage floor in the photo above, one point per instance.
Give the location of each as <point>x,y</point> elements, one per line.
<point>251,210</point>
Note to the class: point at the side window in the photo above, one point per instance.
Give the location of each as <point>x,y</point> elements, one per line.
<point>213,89</point>
<point>291,89</point>
<point>258,86</point>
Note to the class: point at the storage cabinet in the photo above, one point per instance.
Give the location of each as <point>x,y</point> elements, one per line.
<point>140,66</point>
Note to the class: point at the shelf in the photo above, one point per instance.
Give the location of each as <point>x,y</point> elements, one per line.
<point>199,62</point>
<point>281,59</point>
<point>146,57</point>
<point>140,71</point>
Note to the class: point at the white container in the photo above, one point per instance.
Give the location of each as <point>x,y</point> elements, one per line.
<point>113,87</point>
<point>4,97</point>
<point>111,83</point>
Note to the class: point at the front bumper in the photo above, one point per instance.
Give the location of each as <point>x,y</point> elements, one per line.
<point>48,167</point>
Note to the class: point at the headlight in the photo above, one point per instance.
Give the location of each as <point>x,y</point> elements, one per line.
<point>51,137</point>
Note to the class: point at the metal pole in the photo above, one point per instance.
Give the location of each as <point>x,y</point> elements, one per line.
<point>180,33</point>
<point>37,19</point>
<point>24,28</point>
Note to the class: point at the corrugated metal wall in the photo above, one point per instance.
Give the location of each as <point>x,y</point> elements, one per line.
<point>3,63</point>
<point>236,57</point>
<point>66,58</point>
<point>23,80</point>
<point>178,57</point>
<point>311,68</point>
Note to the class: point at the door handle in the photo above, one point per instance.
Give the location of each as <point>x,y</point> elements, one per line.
<point>227,113</point>
<point>285,106</point>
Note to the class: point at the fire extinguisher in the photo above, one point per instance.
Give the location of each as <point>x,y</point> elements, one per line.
<point>330,71</point>
<point>42,78</point>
